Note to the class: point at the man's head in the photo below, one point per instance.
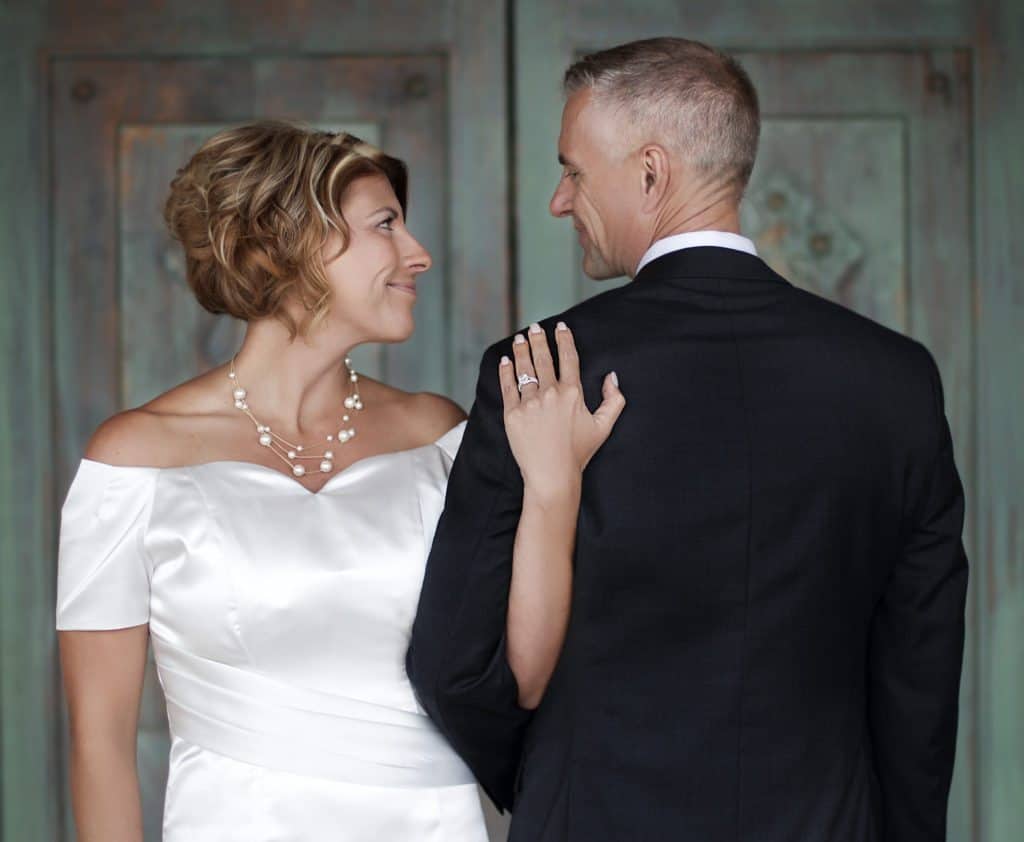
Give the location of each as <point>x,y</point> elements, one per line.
<point>658,137</point>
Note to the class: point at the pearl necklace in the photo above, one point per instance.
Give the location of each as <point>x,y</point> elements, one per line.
<point>294,454</point>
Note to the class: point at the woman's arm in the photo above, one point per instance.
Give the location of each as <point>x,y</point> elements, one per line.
<point>103,674</point>
<point>553,436</point>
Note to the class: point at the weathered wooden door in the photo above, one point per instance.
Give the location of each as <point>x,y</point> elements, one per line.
<point>126,325</point>
<point>861,192</point>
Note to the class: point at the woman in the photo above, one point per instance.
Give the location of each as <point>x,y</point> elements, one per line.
<point>266,525</point>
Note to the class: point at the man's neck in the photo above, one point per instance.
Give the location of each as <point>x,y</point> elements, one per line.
<point>682,219</point>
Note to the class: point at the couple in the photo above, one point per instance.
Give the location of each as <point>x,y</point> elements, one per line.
<point>732,609</point>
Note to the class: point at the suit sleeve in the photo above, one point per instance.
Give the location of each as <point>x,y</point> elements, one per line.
<point>457,657</point>
<point>917,642</point>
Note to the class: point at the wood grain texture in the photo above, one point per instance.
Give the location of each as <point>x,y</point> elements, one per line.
<point>999,504</point>
<point>858,116</point>
<point>30,768</point>
<point>469,39</point>
<point>437,98</point>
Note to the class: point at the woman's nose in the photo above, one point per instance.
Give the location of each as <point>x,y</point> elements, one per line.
<point>417,259</point>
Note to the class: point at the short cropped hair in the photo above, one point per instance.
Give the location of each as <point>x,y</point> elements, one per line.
<point>694,98</point>
<point>254,208</point>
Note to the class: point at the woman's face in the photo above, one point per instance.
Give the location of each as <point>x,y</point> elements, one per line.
<point>373,282</point>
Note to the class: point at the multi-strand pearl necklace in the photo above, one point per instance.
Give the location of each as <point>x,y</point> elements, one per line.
<point>292,454</point>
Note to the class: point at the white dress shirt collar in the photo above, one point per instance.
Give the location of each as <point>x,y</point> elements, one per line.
<point>691,239</point>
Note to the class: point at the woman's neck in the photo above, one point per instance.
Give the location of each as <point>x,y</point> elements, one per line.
<point>294,384</point>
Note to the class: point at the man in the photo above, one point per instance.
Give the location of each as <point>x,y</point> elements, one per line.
<point>768,605</point>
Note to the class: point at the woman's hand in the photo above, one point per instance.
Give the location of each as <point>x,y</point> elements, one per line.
<point>550,430</point>
<point>553,436</point>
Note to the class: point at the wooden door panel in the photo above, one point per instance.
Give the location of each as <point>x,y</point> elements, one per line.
<point>130,327</point>
<point>826,210</point>
<point>861,193</point>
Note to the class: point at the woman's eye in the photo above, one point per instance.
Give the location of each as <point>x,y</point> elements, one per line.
<point>388,224</point>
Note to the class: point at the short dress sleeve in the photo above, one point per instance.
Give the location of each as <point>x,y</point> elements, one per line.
<point>103,572</point>
<point>450,441</point>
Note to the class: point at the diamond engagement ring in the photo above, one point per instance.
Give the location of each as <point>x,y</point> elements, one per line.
<point>526,380</point>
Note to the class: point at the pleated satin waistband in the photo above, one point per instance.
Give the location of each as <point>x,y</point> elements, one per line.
<point>256,720</point>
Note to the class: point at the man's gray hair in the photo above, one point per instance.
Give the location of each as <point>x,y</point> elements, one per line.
<point>695,99</point>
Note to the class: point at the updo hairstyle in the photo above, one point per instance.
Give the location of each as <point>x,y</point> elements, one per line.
<point>254,208</point>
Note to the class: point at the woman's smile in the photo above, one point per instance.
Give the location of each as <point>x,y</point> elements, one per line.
<point>408,289</point>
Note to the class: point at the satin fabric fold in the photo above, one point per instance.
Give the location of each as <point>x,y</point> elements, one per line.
<point>280,619</point>
<point>254,719</point>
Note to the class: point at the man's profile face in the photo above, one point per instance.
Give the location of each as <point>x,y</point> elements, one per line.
<point>593,189</point>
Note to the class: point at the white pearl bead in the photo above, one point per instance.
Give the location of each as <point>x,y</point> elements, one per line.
<point>239,404</point>
<point>298,470</point>
<point>329,454</point>
<point>348,361</point>
<point>344,418</point>
<point>325,467</point>
<point>330,438</point>
<point>350,402</point>
<point>291,454</point>
<point>343,436</point>
<point>359,404</point>
<point>352,433</point>
<point>265,439</point>
<point>231,375</point>
<point>240,394</point>
<point>354,377</point>
<point>299,448</point>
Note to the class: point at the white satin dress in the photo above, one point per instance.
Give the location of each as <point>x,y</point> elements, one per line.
<point>279,620</point>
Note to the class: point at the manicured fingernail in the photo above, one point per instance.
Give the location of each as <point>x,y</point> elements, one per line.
<point>535,328</point>
<point>615,379</point>
<point>561,326</point>
<point>519,340</point>
<point>506,361</point>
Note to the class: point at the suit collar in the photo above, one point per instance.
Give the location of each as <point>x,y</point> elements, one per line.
<point>702,264</point>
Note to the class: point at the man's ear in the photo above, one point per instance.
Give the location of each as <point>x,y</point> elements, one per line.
<point>656,172</point>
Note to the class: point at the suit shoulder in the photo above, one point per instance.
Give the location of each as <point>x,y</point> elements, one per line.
<point>594,307</point>
<point>843,322</point>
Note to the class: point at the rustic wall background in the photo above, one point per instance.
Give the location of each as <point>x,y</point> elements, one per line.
<point>890,179</point>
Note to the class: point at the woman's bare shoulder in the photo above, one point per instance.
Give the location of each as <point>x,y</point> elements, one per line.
<point>158,434</point>
<point>426,415</point>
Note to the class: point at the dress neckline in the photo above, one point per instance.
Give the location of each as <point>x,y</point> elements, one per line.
<point>257,467</point>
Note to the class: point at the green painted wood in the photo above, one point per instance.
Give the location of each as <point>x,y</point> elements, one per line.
<point>547,261</point>
<point>30,769</point>
<point>999,505</point>
<point>121,274</point>
<point>870,147</point>
<point>459,193</point>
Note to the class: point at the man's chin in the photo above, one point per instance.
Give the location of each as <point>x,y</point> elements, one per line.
<point>598,271</point>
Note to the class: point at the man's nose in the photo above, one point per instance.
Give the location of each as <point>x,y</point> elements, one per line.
<point>561,201</point>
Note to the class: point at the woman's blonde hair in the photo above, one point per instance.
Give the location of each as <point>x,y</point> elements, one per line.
<point>254,208</point>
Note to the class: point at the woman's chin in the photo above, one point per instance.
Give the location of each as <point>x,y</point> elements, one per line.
<point>398,330</point>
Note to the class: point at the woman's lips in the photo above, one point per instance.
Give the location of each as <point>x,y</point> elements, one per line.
<point>408,289</point>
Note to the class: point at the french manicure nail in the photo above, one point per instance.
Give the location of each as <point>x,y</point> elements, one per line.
<point>615,379</point>
<point>561,326</point>
<point>519,340</point>
<point>535,328</point>
<point>505,361</point>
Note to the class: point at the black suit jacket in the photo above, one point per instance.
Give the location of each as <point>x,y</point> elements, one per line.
<point>768,606</point>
